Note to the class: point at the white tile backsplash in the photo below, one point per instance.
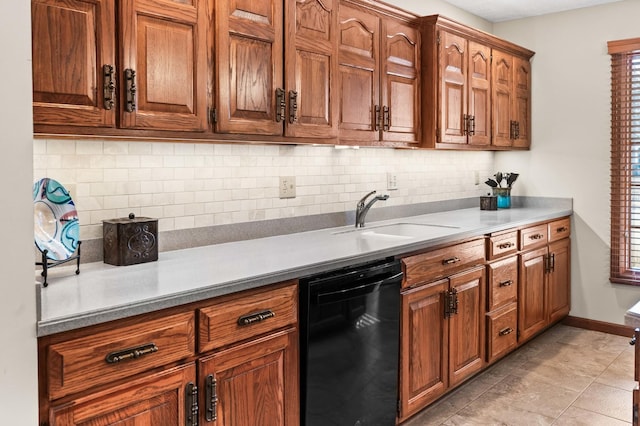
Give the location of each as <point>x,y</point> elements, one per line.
<point>190,185</point>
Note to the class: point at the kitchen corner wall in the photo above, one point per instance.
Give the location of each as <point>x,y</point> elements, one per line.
<point>192,185</point>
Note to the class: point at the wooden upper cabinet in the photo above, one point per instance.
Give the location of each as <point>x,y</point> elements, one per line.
<point>511,87</point>
<point>453,88</point>
<point>249,66</point>
<point>379,78</point>
<point>480,84</point>
<point>400,82</point>
<point>72,41</point>
<point>311,68</point>
<point>522,114</point>
<point>164,43</point>
<point>359,75</point>
<point>479,95</point>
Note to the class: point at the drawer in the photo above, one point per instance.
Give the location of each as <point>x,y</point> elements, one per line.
<point>533,236</point>
<point>78,364</point>
<point>559,229</point>
<point>245,315</point>
<point>442,262</point>
<point>503,283</point>
<point>501,331</point>
<point>502,244</point>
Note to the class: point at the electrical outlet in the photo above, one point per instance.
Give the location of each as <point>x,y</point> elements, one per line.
<point>287,187</point>
<point>392,181</point>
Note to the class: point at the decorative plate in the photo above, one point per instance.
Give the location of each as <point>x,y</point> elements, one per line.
<point>56,226</point>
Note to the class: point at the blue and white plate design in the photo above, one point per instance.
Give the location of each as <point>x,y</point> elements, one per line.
<point>56,225</point>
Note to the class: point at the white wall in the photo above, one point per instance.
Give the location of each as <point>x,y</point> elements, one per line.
<point>18,368</point>
<point>571,138</point>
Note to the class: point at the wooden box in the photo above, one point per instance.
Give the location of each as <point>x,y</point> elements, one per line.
<point>128,241</point>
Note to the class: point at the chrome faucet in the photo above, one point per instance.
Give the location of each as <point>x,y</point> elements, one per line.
<point>362,208</point>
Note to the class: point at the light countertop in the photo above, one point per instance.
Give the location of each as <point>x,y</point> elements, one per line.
<point>103,292</point>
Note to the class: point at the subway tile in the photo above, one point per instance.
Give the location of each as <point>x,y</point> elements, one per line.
<point>140,148</point>
<point>60,146</point>
<point>116,148</point>
<point>184,222</point>
<point>162,148</point>
<point>89,147</point>
<point>116,201</point>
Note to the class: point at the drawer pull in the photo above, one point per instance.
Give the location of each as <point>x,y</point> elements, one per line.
<point>255,317</point>
<point>536,236</point>
<point>505,283</point>
<point>562,229</point>
<point>506,331</point>
<point>505,245</point>
<point>131,353</point>
<point>450,261</point>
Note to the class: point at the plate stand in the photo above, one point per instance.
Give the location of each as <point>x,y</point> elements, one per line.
<point>48,263</point>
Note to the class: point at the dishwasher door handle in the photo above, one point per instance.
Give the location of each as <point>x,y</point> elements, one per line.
<point>322,298</point>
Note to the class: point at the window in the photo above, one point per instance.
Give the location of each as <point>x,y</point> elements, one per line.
<point>625,161</point>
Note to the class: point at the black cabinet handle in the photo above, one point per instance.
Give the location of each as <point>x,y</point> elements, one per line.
<point>130,79</point>
<point>505,283</point>
<point>108,86</point>
<point>255,317</point>
<point>505,245</point>
<point>450,261</point>
<point>505,331</point>
<point>131,353</point>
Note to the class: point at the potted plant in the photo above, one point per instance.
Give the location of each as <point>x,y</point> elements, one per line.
<point>503,192</point>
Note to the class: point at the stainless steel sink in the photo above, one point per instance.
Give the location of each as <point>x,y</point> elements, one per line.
<point>398,231</point>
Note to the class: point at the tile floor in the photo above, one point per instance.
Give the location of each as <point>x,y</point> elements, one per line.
<point>566,376</point>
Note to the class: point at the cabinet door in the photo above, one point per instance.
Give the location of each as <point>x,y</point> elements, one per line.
<point>255,383</point>
<point>532,315</point>
<point>467,326</point>
<point>311,64</point>
<point>502,93</point>
<point>424,338</point>
<point>164,43</point>
<point>249,49</point>
<point>559,280</point>
<point>522,102</point>
<point>359,75</point>
<point>71,42</point>
<point>479,106</point>
<point>453,87</point>
<point>400,82</point>
<point>157,399</point>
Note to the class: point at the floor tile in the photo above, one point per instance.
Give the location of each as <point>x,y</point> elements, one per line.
<point>578,417</point>
<point>620,373</point>
<point>606,400</point>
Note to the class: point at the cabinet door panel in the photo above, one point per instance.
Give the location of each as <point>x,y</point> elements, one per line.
<point>157,399</point>
<point>453,89</point>
<point>522,93</point>
<point>531,294</point>
<point>311,62</point>
<point>256,382</point>
<point>466,327</point>
<point>71,41</point>
<point>423,366</point>
<point>479,107</point>
<point>559,280</point>
<point>400,82</point>
<point>249,65</point>
<point>359,69</point>
<point>165,45</point>
<point>502,79</point>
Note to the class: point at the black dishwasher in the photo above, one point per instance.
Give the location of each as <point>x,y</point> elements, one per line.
<point>349,345</point>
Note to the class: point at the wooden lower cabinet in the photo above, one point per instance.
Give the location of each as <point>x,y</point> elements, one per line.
<point>544,288</point>
<point>159,399</point>
<point>440,348</point>
<point>252,384</point>
<point>148,371</point>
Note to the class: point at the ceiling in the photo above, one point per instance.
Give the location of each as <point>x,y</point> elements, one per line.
<point>505,10</point>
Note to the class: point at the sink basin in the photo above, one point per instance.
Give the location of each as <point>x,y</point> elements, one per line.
<point>398,231</point>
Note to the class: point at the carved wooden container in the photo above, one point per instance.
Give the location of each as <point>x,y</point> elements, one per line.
<point>131,240</point>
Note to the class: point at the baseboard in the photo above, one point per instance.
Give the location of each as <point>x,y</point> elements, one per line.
<point>605,327</point>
